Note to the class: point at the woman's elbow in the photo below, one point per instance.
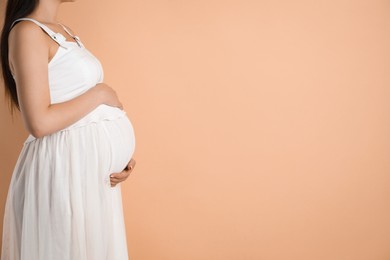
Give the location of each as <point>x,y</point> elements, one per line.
<point>37,131</point>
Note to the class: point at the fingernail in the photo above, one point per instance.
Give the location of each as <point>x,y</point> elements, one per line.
<point>111,176</point>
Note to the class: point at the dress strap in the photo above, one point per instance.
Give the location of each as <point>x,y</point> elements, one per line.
<point>57,37</point>
<point>75,37</point>
<point>66,30</point>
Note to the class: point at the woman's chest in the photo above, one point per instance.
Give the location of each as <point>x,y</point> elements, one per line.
<point>71,72</point>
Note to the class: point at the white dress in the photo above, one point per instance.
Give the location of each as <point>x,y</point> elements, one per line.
<point>60,204</point>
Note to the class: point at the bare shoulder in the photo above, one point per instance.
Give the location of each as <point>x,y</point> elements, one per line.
<point>28,46</point>
<point>26,32</point>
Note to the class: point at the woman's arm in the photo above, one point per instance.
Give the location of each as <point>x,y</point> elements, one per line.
<point>28,55</point>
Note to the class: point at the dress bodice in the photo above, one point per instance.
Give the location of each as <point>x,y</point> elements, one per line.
<point>71,72</point>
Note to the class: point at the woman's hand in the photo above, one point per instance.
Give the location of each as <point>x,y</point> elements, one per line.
<point>28,56</point>
<point>108,95</point>
<point>116,178</point>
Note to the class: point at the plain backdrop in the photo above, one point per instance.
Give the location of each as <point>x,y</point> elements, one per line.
<point>262,127</point>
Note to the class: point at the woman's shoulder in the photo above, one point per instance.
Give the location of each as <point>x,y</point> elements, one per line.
<point>24,27</point>
<point>24,31</point>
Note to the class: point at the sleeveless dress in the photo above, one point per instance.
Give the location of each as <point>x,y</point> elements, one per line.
<point>60,204</point>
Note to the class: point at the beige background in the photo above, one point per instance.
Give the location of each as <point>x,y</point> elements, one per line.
<point>263,127</point>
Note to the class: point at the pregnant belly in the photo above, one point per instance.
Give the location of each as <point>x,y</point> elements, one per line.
<point>116,139</point>
<point>119,134</point>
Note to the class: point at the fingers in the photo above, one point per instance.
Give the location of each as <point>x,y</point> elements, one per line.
<point>131,164</point>
<point>116,178</point>
<point>121,175</point>
<point>115,181</point>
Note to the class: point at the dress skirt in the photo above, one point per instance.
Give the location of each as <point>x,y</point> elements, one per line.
<point>60,204</point>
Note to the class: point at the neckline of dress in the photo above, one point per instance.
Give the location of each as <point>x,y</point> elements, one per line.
<point>58,51</point>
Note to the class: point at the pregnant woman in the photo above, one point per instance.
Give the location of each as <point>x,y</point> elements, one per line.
<point>63,202</point>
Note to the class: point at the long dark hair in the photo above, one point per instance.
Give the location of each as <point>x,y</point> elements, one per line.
<point>15,9</point>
